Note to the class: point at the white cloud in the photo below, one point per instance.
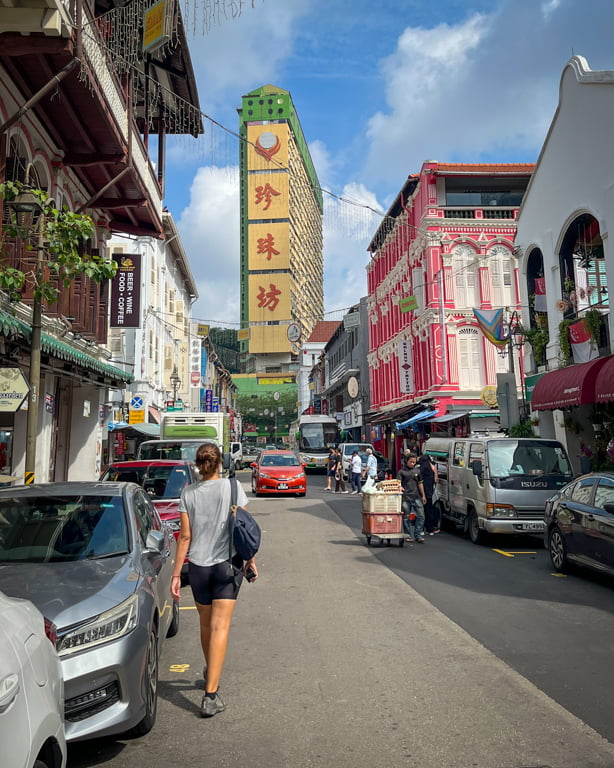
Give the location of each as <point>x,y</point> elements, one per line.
<point>209,229</point>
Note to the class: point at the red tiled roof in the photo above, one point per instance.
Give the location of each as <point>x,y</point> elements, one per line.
<point>324,330</point>
<point>486,167</point>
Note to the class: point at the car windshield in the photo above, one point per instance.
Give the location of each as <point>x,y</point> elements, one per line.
<point>170,449</point>
<point>280,460</point>
<point>160,482</point>
<point>508,458</point>
<point>55,529</point>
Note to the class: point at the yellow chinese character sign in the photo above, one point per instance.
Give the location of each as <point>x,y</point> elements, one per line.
<point>267,146</point>
<point>267,196</point>
<point>269,246</point>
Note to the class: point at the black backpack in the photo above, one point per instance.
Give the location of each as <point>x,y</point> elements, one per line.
<point>244,530</point>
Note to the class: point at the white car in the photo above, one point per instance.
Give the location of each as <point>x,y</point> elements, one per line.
<point>31,689</point>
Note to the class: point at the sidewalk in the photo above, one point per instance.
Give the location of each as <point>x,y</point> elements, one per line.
<point>334,661</point>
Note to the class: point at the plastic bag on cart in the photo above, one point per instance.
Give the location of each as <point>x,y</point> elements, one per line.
<point>369,486</point>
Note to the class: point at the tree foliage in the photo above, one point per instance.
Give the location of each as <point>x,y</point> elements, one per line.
<point>62,233</point>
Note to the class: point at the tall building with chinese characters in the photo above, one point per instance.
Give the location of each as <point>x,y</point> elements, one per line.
<point>282,291</point>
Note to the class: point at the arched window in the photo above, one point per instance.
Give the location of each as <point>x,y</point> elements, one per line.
<point>500,269</point>
<point>470,375</point>
<point>464,271</point>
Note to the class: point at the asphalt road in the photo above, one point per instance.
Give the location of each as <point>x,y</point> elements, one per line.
<point>439,655</point>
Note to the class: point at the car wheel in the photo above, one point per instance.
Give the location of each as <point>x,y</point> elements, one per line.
<point>558,551</point>
<point>254,490</point>
<point>40,764</point>
<point>174,625</point>
<point>476,534</point>
<point>150,687</point>
<point>238,466</point>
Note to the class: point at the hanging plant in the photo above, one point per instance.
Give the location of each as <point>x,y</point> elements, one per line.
<point>522,429</point>
<point>564,341</point>
<point>563,305</point>
<point>538,337</point>
<point>592,321</point>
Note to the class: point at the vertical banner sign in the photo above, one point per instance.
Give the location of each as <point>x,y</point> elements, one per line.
<point>126,292</point>
<point>209,400</point>
<point>406,368</point>
<point>195,362</point>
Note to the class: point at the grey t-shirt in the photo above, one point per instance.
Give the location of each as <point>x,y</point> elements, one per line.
<point>208,504</point>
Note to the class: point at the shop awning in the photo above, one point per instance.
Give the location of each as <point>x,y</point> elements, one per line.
<point>449,417</point>
<point>423,415</point>
<point>604,386</point>
<point>567,387</point>
<point>397,415</point>
<point>149,430</point>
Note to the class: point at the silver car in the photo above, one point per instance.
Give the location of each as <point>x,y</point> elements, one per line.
<point>97,561</point>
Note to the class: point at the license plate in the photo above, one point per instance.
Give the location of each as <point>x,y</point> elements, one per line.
<point>533,527</point>
<point>283,486</point>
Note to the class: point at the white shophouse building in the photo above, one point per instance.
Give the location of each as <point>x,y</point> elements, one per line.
<point>567,263</point>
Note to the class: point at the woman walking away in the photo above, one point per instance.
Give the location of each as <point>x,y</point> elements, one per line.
<point>428,471</point>
<point>215,579</point>
<point>330,470</point>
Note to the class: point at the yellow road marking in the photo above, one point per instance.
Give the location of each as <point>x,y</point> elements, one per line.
<point>559,575</point>
<point>187,607</point>
<point>501,552</point>
<point>514,552</point>
<point>179,667</point>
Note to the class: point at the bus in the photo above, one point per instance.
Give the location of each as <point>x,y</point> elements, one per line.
<point>311,437</point>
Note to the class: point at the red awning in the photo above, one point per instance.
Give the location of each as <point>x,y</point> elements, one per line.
<point>604,387</point>
<point>574,385</point>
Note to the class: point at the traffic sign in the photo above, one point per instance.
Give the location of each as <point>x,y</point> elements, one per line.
<point>13,389</point>
<point>137,403</point>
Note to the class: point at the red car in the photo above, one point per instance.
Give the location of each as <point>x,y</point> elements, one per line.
<point>278,472</point>
<point>162,479</point>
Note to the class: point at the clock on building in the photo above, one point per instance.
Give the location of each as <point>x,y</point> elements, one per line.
<point>293,332</point>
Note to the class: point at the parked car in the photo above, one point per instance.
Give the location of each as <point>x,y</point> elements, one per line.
<point>497,485</point>
<point>278,472</point>
<point>97,561</point>
<point>347,449</point>
<point>31,689</point>
<point>580,523</point>
<point>163,481</point>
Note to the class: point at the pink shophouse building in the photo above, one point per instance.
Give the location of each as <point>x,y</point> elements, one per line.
<point>445,247</point>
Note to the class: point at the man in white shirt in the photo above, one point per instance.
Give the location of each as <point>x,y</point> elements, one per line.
<point>356,469</point>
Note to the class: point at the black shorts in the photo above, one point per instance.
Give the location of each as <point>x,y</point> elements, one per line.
<point>221,581</point>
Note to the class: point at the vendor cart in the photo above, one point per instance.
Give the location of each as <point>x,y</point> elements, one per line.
<point>382,518</point>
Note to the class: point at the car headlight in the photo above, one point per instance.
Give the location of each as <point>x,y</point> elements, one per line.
<point>174,525</point>
<point>267,477</point>
<point>500,510</point>
<point>108,626</point>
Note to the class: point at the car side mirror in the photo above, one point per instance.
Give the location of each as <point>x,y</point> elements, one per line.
<point>253,465</point>
<point>154,543</point>
<point>477,467</point>
<point>609,508</point>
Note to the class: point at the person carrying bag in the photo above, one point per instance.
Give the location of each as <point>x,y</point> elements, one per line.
<point>214,571</point>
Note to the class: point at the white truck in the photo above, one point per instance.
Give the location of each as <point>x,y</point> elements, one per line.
<point>181,434</point>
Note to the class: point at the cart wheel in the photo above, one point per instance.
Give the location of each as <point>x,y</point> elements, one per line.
<point>401,542</point>
<point>368,541</point>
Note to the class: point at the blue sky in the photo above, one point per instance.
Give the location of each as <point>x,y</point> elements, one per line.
<point>379,88</point>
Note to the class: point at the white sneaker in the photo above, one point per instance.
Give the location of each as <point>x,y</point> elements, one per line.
<point>344,491</point>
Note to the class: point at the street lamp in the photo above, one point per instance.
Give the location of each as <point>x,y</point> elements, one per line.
<point>27,217</point>
<point>175,382</point>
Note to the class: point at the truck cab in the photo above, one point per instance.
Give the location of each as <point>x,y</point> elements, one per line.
<point>497,484</point>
